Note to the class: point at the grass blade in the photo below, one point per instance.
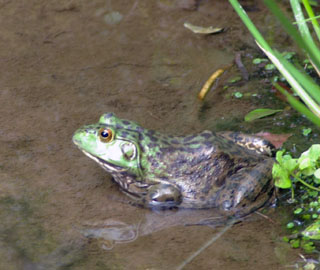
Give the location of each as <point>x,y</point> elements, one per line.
<point>303,79</point>
<point>298,14</point>
<point>299,106</point>
<point>246,20</point>
<point>291,74</point>
<point>302,84</point>
<point>312,16</point>
<point>310,48</point>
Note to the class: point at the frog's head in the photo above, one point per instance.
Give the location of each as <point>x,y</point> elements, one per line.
<point>112,142</point>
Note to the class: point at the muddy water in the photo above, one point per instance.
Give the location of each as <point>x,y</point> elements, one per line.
<point>63,64</point>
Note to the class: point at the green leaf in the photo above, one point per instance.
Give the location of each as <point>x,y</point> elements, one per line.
<point>313,193</point>
<point>306,131</point>
<point>308,160</point>
<point>285,239</point>
<point>279,155</point>
<point>259,113</point>
<point>235,79</point>
<point>313,231</point>
<point>269,67</point>
<point>288,55</point>
<point>281,177</point>
<point>309,248</point>
<point>290,225</point>
<point>281,172</point>
<point>317,174</point>
<point>289,163</point>
<point>313,152</point>
<point>306,217</point>
<point>295,243</point>
<point>305,162</point>
<point>258,61</point>
<point>308,171</point>
<point>238,94</point>
<point>316,181</point>
<point>313,204</point>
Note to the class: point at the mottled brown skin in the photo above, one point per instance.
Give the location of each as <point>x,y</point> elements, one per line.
<point>220,173</point>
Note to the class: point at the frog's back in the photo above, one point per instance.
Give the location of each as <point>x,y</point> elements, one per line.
<point>199,165</point>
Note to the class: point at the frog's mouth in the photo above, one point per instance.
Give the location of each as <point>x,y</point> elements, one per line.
<point>104,164</point>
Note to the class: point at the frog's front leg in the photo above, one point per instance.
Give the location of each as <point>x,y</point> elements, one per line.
<point>251,142</point>
<point>247,190</point>
<point>162,196</point>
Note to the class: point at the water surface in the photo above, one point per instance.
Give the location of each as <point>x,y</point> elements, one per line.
<point>63,64</point>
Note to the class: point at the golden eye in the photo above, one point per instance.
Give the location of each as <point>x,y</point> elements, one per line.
<point>105,134</point>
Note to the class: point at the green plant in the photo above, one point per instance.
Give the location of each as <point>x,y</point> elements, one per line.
<point>302,84</point>
<point>301,174</point>
<point>305,169</point>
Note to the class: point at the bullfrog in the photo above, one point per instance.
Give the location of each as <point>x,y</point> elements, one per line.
<point>229,171</point>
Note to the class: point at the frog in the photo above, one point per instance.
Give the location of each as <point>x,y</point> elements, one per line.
<point>228,171</point>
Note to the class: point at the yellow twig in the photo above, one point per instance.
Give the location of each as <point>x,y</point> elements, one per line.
<point>206,87</point>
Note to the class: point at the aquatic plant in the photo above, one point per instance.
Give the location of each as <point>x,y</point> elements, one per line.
<point>301,175</point>
<point>298,174</point>
<point>305,170</point>
<point>302,84</point>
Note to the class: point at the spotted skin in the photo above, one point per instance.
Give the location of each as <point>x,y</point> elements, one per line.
<point>229,171</point>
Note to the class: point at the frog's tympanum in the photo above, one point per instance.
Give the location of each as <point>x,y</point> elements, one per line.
<point>229,170</point>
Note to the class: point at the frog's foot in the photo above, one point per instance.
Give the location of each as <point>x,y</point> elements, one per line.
<point>251,142</point>
<point>162,196</point>
<point>247,190</point>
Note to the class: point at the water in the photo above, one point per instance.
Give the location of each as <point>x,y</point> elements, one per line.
<point>62,66</point>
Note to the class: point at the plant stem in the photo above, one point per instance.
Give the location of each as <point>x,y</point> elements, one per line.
<point>305,183</point>
<point>312,17</point>
<point>292,193</point>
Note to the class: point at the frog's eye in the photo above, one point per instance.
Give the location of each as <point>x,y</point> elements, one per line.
<point>105,134</point>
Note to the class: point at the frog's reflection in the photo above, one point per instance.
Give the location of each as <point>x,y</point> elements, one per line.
<point>110,232</point>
